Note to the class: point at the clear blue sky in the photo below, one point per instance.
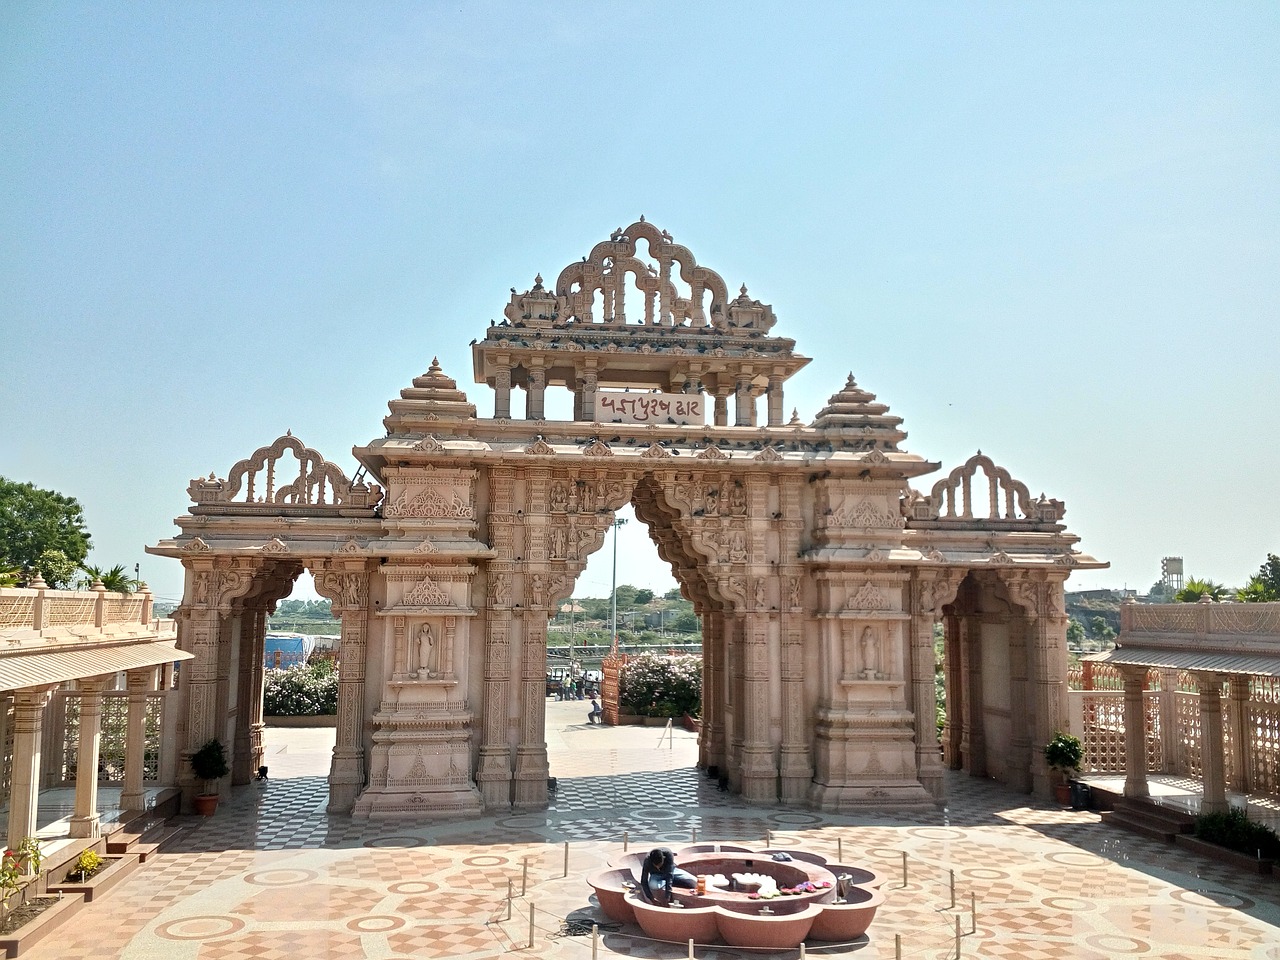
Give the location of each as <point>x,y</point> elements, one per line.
<point>1049,231</point>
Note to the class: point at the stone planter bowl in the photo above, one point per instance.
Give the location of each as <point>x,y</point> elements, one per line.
<point>612,895</point>
<point>842,922</point>
<point>780,930</point>
<point>676,924</point>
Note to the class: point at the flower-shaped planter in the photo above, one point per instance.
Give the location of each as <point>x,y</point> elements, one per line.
<point>842,922</point>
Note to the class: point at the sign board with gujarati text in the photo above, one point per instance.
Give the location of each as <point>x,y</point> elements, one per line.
<point>613,406</point>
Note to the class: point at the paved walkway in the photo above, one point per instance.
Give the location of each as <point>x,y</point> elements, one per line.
<point>272,876</point>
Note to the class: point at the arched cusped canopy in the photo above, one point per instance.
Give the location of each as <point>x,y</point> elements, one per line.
<point>819,572</point>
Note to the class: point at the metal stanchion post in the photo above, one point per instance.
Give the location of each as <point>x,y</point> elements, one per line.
<point>904,868</point>
<point>973,911</point>
<point>533,909</point>
<point>957,938</point>
<point>897,946</point>
<point>511,895</point>
<point>695,835</point>
<point>691,948</point>
<point>840,849</point>
<point>524,877</point>
<point>953,888</point>
<point>595,941</point>
<point>566,858</point>
<point>801,950</point>
<point>624,841</point>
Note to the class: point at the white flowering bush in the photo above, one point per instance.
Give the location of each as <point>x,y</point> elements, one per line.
<point>305,690</point>
<point>658,686</point>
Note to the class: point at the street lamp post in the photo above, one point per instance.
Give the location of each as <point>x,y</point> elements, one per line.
<point>618,522</point>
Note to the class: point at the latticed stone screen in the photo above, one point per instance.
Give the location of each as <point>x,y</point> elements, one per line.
<point>111,755</point>
<point>1186,708</point>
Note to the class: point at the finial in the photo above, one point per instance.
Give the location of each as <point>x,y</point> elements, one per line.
<point>98,585</point>
<point>642,218</point>
<point>435,366</point>
<point>537,281</point>
<point>795,415</point>
<point>979,451</point>
<point>288,433</point>
<point>742,291</point>
<point>37,582</point>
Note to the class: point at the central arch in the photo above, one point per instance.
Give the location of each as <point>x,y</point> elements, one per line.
<point>819,572</point>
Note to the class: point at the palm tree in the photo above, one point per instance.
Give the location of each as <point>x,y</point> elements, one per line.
<point>116,580</point>
<point>1257,590</point>
<point>1195,589</point>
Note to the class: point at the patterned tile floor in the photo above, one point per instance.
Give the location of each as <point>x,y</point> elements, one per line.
<point>272,876</point>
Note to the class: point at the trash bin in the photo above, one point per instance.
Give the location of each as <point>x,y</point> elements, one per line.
<point>1081,795</point>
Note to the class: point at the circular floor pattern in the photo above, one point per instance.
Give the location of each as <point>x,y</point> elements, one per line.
<point>374,924</point>
<point>282,877</point>
<point>884,853</point>
<point>1070,904</point>
<point>983,873</point>
<point>199,928</point>
<point>658,813</point>
<point>524,821</point>
<point>485,861</point>
<point>804,818</point>
<point>412,887</point>
<point>1113,943</point>
<point>935,833</point>
<point>395,842</point>
<point>1075,859</point>
<point>1213,898</point>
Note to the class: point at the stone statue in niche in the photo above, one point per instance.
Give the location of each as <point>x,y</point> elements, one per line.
<point>737,500</point>
<point>793,590</point>
<point>557,542</point>
<point>737,548</point>
<point>200,592</point>
<point>537,589</point>
<point>500,591</point>
<point>587,498</point>
<point>425,652</point>
<point>760,595</point>
<point>712,502</point>
<point>869,654</point>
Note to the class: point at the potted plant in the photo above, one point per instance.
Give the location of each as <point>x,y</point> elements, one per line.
<point>209,764</point>
<point>1064,754</point>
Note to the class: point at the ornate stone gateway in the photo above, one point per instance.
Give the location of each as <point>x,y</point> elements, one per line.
<point>819,572</point>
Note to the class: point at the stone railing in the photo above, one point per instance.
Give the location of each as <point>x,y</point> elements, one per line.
<point>40,612</point>
<point>1201,619</point>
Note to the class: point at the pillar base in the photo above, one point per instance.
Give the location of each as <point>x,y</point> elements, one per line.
<point>133,801</point>
<point>86,827</point>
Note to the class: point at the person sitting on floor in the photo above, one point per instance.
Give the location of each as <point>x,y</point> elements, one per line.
<point>659,872</point>
<point>596,713</point>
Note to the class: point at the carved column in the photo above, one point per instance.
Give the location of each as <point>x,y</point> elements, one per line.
<point>1241,735</point>
<point>535,394</point>
<point>775,402</point>
<point>953,726</point>
<point>257,680</point>
<point>493,772</point>
<point>532,768</point>
<point>502,393</point>
<point>347,587</point>
<point>721,407</point>
<point>1211,744</point>
<point>85,821</point>
<point>24,792</point>
<point>1135,732</point>
<point>133,795</point>
<point>759,769</point>
<point>744,407</point>
<point>586,396</point>
<point>1020,764</point>
<point>973,744</point>
<point>1047,677</point>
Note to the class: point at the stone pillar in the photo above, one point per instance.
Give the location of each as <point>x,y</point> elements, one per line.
<point>721,408</point>
<point>1241,736</point>
<point>953,727</point>
<point>1211,744</point>
<point>974,746</point>
<point>133,795</point>
<point>348,590</point>
<point>924,705</point>
<point>743,404</point>
<point>589,386</point>
<point>1135,732</point>
<point>1171,750</point>
<point>85,822</point>
<point>535,394</point>
<point>532,769</point>
<point>1019,764</point>
<point>24,792</point>
<point>502,393</point>
<point>775,401</point>
<point>257,680</point>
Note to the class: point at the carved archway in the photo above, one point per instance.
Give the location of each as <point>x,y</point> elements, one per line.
<point>819,572</point>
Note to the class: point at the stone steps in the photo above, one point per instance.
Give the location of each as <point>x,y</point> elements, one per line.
<point>1149,819</point>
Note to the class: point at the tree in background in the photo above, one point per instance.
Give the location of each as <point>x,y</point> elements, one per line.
<point>1101,630</point>
<point>1075,632</point>
<point>1195,589</point>
<point>41,529</point>
<point>1263,586</point>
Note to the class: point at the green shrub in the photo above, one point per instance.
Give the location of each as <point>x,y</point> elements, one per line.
<point>305,690</point>
<point>1235,831</point>
<point>658,686</point>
